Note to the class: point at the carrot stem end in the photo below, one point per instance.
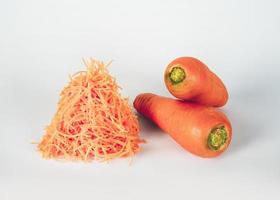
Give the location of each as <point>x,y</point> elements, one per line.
<point>177,75</point>
<point>217,138</point>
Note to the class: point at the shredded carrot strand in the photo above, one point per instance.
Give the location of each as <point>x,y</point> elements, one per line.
<point>93,121</point>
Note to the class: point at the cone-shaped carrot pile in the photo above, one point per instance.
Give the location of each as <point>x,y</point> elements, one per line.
<point>93,121</point>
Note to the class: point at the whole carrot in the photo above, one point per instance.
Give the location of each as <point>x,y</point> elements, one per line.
<point>200,130</point>
<point>188,78</point>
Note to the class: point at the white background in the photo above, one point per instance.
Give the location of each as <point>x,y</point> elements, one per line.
<point>42,42</point>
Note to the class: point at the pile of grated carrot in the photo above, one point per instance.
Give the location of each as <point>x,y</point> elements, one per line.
<point>93,121</point>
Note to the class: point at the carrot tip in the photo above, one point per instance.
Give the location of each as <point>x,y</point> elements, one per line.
<point>177,75</point>
<point>217,138</point>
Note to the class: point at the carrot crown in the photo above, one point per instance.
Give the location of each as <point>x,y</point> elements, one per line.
<point>177,75</point>
<point>217,138</point>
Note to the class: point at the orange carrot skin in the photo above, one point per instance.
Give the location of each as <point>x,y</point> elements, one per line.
<point>200,85</point>
<point>188,124</point>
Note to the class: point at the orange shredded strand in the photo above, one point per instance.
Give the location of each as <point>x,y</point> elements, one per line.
<point>93,121</point>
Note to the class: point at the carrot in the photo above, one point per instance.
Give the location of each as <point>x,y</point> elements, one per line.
<point>199,129</point>
<point>188,78</point>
